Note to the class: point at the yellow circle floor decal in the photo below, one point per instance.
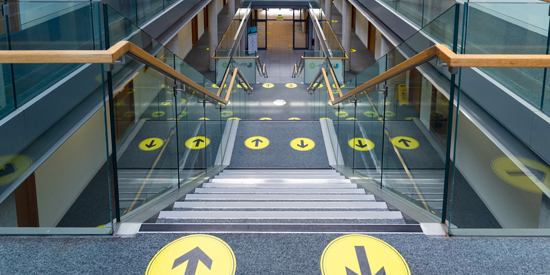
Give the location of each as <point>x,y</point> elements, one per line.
<point>291,85</point>
<point>265,118</point>
<point>302,144</point>
<point>385,102</point>
<point>317,84</point>
<point>227,113</point>
<point>13,168</point>
<point>370,114</point>
<point>411,118</point>
<point>197,142</point>
<point>361,254</point>
<point>158,114</point>
<point>194,254</point>
<point>204,118</point>
<point>256,142</point>
<point>523,178</point>
<point>353,50</point>
<point>233,118</point>
<point>405,142</point>
<point>294,118</point>
<point>361,144</point>
<point>341,114</point>
<point>151,144</point>
<point>268,85</point>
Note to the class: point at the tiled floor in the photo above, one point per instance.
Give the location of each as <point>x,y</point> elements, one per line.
<point>279,56</point>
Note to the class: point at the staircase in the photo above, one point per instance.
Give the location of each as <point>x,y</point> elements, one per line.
<point>427,183</point>
<point>279,196</point>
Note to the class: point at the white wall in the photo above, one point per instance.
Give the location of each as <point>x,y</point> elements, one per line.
<point>219,5</point>
<point>182,43</point>
<point>201,22</point>
<point>337,4</point>
<point>362,28</point>
<point>63,176</point>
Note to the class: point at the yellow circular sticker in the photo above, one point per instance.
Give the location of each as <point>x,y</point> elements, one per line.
<point>405,142</point>
<point>183,113</point>
<point>166,103</point>
<point>411,118</point>
<point>151,144</point>
<point>351,118</point>
<point>158,114</point>
<point>265,118</point>
<point>233,118</point>
<point>341,114</point>
<point>197,142</point>
<point>389,113</point>
<point>256,142</point>
<point>334,21</point>
<point>353,50</point>
<point>370,114</point>
<point>361,144</point>
<point>268,85</point>
<point>183,100</point>
<point>317,84</point>
<point>204,118</point>
<point>291,85</point>
<point>334,86</point>
<point>294,118</point>
<point>227,113</point>
<point>194,254</point>
<point>523,178</point>
<point>302,144</point>
<point>13,167</point>
<point>361,254</point>
<point>385,102</point>
<point>324,118</point>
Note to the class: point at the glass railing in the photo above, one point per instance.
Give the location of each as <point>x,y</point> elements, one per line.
<point>43,26</point>
<point>419,12</point>
<point>511,28</point>
<point>322,26</point>
<point>163,133</point>
<point>140,11</point>
<point>229,43</point>
<point>393,134</point>
<point>500,186</point>
<point>439,31</point>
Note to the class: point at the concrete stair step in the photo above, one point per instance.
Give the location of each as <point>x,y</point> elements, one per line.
<point>287,215</point>
<point>279,197</point>
<point>282,186</point>
<point>277,191</point>
<point>279,205</point>
<point>280,181</point>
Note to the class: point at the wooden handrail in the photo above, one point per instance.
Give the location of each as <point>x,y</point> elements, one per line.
<point>235,72</point>
<point>235,57</point>
<point>328,84</point>
<point>244,79</point>
<point>336,82</point>
<point>99,57</point>
<point>457,61</point>
<point>314,79</point>
<point>220,89</point>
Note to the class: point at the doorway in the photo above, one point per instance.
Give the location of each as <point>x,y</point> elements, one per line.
<point>300,30</point>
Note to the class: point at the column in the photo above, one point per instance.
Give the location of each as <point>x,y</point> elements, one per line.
<point>346,30</point>
<point>212,31</point>
<point>244,38</point>
<point>317,45</point>
<point>231,9</point>
<point>328,10</point>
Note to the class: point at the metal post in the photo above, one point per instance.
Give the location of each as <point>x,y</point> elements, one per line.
<point>212,32</point>
<point>449,121</point>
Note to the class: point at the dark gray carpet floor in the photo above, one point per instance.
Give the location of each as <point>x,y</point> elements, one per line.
<point>279,154</point>
<point>272,254</point>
